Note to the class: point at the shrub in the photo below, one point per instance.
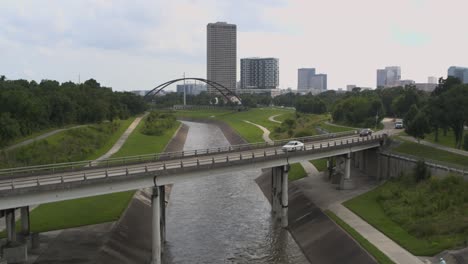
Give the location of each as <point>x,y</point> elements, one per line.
<point>156,123</point>
<point>304,133</point>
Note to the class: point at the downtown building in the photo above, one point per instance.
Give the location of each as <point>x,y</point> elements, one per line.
<point>310,82</point>
<point>259,75</point>
<point>221,55</point>
<point>390,77</point>
<point>459,72</point>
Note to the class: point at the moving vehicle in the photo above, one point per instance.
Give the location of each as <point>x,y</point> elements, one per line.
<point>365,132</point>
<point>398,125</point>
<point>293,146</point>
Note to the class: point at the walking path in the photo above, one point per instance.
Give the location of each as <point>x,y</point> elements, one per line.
<point>121,140</point>
<point>437,146</point>
<point>272,119</point>
<point>326,196</point>
<point>266,132</point>
<point>113,150</point>
<point>45,135</point>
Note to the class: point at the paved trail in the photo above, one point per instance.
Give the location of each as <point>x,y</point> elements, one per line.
<point>45,135</point>
<point>272,119</point>
<point>112,151</point>
<point>317,188</point>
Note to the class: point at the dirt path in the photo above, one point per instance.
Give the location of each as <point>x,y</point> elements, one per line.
<point>272,119</point>
<point>43,136</point>
<point>266,132</point>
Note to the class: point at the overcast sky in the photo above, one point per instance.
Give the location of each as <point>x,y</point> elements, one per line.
<point>136,45</point>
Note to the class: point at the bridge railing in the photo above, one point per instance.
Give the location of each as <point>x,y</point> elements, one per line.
<point>88,164</point>
<point>229,159</point>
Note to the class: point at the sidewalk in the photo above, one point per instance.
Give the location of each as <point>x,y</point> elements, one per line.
<point>326,196</point>
<point>437,146</point>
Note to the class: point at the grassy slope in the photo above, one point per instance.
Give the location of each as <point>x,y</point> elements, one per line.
<point>369,209</point>
<point>448,141</point>
<point>296,172</point>
<point>320,164</point>
<point>335,128</point>
<point>374,251</point>
<point>103,208</point>
<point>427,152</point>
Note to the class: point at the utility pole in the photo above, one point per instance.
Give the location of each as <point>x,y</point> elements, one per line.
<point>185,92</point>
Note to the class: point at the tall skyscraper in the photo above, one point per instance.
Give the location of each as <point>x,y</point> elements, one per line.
<point>459,72</point>
<point>303,79</point>
<point>259,73</point>
<point>309,82</point>
<point>221,55</point>
<point>389,76</point>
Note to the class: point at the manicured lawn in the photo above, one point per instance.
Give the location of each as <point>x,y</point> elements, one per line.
<point>236,119</point>
<point>368,246</point>
<point>427,152</point>
<point>140,144</point>
<point>320,164</point>
<point>79,212</point>
<point>296,172</point>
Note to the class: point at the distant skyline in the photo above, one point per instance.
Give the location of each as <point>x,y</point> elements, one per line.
<point>138,45</point>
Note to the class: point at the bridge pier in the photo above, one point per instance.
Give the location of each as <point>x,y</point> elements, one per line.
<point>25,222</point>
<point>10,224</point>
<point>13,251</point>
<point>346,183</point>
<point>156,226</point>
<point>279,194</point>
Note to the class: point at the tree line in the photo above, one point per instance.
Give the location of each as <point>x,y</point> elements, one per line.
<point>28,106</point>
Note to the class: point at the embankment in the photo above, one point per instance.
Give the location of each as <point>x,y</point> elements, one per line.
<point>321,240</point>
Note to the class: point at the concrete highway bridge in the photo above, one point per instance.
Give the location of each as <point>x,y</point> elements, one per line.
<point>25,186</point>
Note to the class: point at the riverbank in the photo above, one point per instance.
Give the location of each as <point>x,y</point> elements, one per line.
<point>320,239</point>
<point>120,241</point>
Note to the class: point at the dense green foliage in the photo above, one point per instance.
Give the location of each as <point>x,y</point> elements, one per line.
<point>27,107</point>
<point>373,250</point>
<point>311,104</point>
<point>425,217</point>
<point>157,123</point>
<point>363,110</point>
<point>71,145</point>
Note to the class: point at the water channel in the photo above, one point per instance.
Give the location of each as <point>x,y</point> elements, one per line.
<point>224,219</point>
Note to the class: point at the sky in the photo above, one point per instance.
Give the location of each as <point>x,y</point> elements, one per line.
<point>137,45</point>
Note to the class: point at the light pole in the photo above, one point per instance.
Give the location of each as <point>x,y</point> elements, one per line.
<point>185,92</point>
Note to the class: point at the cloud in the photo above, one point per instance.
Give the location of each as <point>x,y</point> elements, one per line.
<point>137,44</point>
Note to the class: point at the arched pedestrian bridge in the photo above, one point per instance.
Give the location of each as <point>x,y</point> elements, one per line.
<point>21,187</point>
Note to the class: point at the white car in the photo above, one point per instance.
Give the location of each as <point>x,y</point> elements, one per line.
<point>293,146</point>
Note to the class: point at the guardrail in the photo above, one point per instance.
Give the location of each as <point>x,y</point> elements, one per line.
<point>450,167</point>
<point>83,165</point>
<point>229,159</point>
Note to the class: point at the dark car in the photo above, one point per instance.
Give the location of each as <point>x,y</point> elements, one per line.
<point>365,132</point>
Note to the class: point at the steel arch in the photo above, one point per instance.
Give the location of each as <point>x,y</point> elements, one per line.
<point>225,92</point>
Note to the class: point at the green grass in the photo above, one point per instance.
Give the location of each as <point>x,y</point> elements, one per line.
<point>79,212</point>
<point>140,144</point>
<point>367,207</point>
<point>236,119</point>
<point>419,217</point>
<point>296,172</point>
<point>431,153</point>
<point>448,140</point>
<point>368,246</point>
<point>335,128</point>
<point>103,208</point>
<point>320,164</point>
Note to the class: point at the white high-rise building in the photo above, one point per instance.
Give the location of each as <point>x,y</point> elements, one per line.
<point>309,82</point>
<point>221,55</point>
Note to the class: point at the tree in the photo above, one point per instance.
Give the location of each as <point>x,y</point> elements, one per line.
<point>410,115</point>
<point>456,105</point>
<point>418,126</point>
<point>9,128</point>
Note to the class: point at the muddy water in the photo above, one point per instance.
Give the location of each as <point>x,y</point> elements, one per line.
<point>223,219</point>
